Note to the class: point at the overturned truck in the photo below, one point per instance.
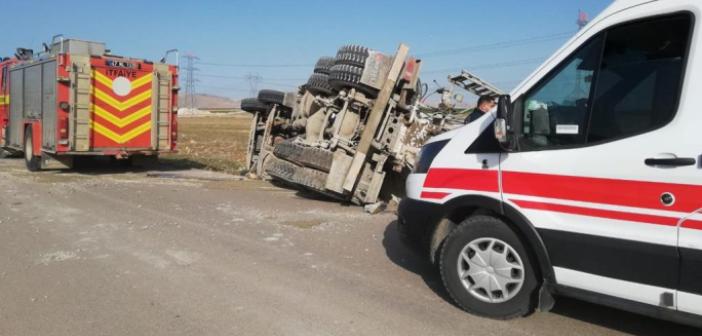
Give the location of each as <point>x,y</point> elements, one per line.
<point>352,132</point>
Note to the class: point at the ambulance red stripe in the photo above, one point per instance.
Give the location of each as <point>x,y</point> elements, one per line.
<point>434,195</point>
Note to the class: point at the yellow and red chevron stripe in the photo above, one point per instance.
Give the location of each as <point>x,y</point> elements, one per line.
<point>122,119</point>
<point>4,100</point>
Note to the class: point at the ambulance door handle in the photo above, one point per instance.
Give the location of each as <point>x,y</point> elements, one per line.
<point>671,162</point>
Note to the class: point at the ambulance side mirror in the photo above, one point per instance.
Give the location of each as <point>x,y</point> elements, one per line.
<point>502,122</point>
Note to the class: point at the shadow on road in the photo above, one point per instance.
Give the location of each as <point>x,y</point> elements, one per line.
<point>619,320</point>
<point>404,257</point>
<point>603,316</point>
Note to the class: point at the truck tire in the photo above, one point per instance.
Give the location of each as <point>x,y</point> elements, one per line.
<point>32,161</point>
<point>324,65</point>
<point>470,276</point>
<point>253,105</point>
<point>344,76</point>
<point>355,55</point>
<point>311,157</point>
<point>289,172</point>
<point>318,84</point>
<point>271,97</point>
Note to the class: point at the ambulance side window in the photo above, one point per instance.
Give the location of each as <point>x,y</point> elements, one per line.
<point>556,111</point>
<point>638,86</point>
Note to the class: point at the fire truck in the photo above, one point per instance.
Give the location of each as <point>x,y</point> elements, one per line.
<point>75,98</point>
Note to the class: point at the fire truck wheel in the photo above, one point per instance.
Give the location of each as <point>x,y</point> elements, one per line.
<point>324,64</point>
<point>32,161</point>
<point>355,55</point>
<point>487,271</point>
<point>253,105</point>
<point>345,76</point>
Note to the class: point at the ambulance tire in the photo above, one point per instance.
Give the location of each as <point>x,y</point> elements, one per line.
<point>32,161</point>
<point>461,241</point>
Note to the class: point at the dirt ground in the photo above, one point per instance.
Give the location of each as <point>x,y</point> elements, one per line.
<point>114,252</point>
<point>213,142</point>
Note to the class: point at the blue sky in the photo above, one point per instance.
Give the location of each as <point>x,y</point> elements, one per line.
<point>295,33</point>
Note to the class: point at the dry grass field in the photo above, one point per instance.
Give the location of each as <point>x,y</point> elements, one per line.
<point>214,143</point>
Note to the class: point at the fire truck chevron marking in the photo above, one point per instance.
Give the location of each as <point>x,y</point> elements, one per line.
<point>137,83</point>
<point>122,138</point>
<point>121,122</point>
<point>121,106</point>
<point>121,112</point>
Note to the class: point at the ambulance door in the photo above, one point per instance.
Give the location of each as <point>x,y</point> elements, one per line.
<point>599,171</point>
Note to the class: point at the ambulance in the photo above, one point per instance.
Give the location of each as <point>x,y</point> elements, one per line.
<point>585,182</point>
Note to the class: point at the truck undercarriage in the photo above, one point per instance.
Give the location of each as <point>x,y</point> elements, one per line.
<point>353,131</point>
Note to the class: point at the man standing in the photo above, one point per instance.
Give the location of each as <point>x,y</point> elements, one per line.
<point>485,104</point>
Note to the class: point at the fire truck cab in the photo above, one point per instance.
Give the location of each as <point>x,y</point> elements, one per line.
<point>77,99</point>
<point>586,181</point>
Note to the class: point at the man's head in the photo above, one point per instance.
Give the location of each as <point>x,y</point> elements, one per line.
<point>486,103</point>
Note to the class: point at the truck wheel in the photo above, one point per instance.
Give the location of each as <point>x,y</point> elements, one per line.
<point>355,55</point>
<point>324,65</point>
<point>487,271</point>
<point>349,76</point>
<point>253,105</point>
<point>271,97</point>
<point>32,161</point>
<point>318,84</point>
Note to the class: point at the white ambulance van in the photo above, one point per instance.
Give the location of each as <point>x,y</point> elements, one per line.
<point>586,181</point>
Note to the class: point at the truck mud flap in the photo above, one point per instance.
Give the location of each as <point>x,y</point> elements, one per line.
<point>311,157</point>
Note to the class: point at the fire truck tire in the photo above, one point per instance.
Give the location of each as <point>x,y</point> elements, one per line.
<point>319,84</point>
<point>271,97</point>
<point>311,157</point>
<point>344,76</point>
<point>32,161</point>
<point>292,173</point>
<point>501,286</point>
<point>355,55</point>
<point>324,65</point>
<point>253,105</point>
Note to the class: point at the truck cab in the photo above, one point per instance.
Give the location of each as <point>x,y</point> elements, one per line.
<point>586,181</point>
<point>5,64</point>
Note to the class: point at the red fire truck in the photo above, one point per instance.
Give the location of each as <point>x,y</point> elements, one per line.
<point>77,99</point>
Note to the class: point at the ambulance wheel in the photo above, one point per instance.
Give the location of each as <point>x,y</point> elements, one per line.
<point>32,161</point>
<point>487,270</point>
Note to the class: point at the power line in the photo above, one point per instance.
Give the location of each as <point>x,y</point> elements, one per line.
<point>257,65</point>
<point>498,45</point>
<point>491,65</point>
<point>473,48</point>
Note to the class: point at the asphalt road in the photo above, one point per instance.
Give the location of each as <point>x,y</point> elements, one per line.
<point>103,252</point>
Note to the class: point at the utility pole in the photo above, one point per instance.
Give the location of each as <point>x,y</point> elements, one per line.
<point>254,79</point>
<point>190,79</point>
